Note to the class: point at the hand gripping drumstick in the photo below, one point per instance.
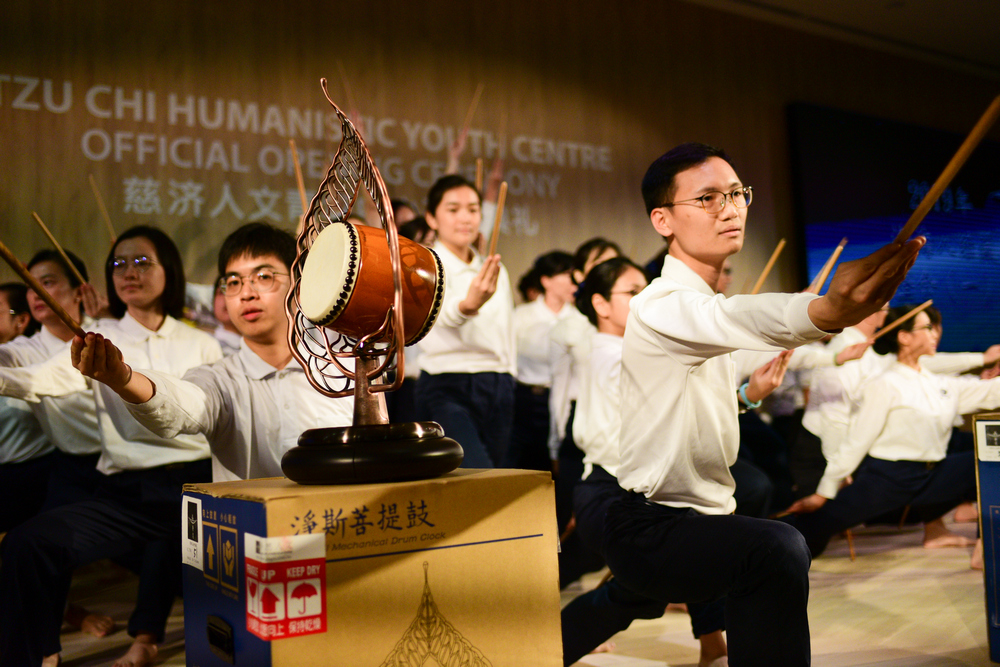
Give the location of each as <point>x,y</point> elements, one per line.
<point>963,153</point>
<point>817,284</point>
<point>912,313</point>
<point>71,265</point>
<point>33,283</point>
<point>768,267</point>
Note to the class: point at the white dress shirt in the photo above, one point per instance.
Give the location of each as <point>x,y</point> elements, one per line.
<point>21,436</point>
<point>126,445</point>
<point>597,424</point>
<point>680,432</point>
<point>69,421</point>
<point>533,323</point>
<point>250,411</point>
<point>906,415</point>
<point>229,341</point>
<point>569,350</point>
<point>480,344</point>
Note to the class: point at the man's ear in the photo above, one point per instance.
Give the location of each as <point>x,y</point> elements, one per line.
<point>662,221</point>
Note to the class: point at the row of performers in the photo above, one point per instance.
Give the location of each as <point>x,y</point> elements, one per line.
<point>145,403</point>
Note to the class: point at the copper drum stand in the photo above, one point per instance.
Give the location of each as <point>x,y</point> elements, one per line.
<point>360,294</point>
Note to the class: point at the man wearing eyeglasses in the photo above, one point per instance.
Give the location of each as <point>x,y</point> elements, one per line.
<point>251,406</point>
<point>673,538</point>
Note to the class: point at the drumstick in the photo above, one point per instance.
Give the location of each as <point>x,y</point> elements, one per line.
<point>963,153</point>
<point>912,313</point>
<point>479,174</point>
<point>495,236</point>
<point>347,88</point>
<point>768,267</point>
<point>71,265</point>
<point>302,186</point>
<point>104,210</point>
<point>33,283</point>
<point>472,107</point>
<point>817,284</point>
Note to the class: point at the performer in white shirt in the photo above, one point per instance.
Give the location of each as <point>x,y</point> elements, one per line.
<point>533,324</point>
<point>671,538</point>
<point>896,445</point>
<point>468,360</point>
<point>253,405</point>
<point>137,503</point>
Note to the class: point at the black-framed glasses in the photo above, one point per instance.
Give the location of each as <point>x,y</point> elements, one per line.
<point>715,202</point>
<point>262,282</point>
<point>119,265</point>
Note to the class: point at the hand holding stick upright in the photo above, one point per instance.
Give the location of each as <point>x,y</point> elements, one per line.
<point>33,283</point>
<point>495,236</point>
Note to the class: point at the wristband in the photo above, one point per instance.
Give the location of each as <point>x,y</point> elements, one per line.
<point>743,397</point>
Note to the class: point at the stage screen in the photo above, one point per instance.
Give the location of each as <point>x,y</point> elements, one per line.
<point>861,178</point>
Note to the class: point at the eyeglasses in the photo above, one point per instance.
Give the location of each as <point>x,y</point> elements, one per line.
<point>926,327</point>
<point>715,202</point>
<point>119,265</point>
<point>262,282</point>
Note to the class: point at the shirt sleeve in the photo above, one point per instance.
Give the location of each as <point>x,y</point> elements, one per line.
<point>974,394</point>
<point>191,405</point>
<point>952,363</point>
<point>867,423</point>
<point>54,377</point>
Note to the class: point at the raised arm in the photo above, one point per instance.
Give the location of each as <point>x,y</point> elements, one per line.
<point>97,357</point>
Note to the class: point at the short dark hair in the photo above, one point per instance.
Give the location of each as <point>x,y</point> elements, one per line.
<point>592,247</point>
<point>890,342</point>
<point>553,263</point>
<point>49,255</point>
<point>601,280</point>
<point>399,202</point>
<point>415,229</point>
<point>172,299</point>
<point>17,299</point>
<point>658,183</point>
<point>257,239</point>
<point>443,185</point>
<point>529,281</point>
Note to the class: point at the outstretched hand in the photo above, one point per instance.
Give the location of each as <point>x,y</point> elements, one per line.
<point>483,287</point>
<point>862,286</point>
<point>768,377</point>
<point>99,359</point>
<point>806,505</point>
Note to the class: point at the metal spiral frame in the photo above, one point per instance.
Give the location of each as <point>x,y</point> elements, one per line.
<point>322,351</point>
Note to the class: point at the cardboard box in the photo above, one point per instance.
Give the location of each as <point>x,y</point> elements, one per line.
<point>457,570</point>
<point>986,428</point>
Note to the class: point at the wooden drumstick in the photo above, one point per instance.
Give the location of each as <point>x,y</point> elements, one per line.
<point>817,284</point>
<point>301,184</point>
<point>912,313</point>
<point>104,209</point>
<point>52,239</point>
<point>479,174</point>
<point>472,107</point>
<point>43,294</point>
<point>963,153</point>
<point>768,267</point>
<point>347,88</point>
<point>495,236</point>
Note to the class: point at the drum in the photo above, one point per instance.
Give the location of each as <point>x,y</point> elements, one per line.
<point>347,283</point>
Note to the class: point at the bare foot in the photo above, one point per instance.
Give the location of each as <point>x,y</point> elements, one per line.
<point>678,606</point>
<point>606,647</point>
<point>51,660</point>
<point>966,513</point>
<point>141,653</point>
<point>977,556</point>
<point>722,661</point>
<point>95,624</point>
<point>937,536</point>
<point>713,650</point>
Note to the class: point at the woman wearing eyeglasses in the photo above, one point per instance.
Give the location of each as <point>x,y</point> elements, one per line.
<point>896,445</point>
<point>138,499</point>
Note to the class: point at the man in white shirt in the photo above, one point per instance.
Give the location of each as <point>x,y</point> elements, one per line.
<point>672,538</point>
<point>251,406</point>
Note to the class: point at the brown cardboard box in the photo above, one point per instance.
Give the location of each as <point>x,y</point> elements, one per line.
<point>460,570</point>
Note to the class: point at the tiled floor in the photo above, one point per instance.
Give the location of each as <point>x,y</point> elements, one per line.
<point>897,605</point>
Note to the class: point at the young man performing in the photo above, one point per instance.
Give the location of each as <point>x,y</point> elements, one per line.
<point>672,538</point>
<point>251,406</point>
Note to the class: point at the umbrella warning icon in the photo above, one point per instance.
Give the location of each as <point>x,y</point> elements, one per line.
<point>304,598</point>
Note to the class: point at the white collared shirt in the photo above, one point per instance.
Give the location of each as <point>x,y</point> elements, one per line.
<point>251,412</point>
<point>598,423</point>
<point>680,432</point>
<point>480,344</point>
<point>21,436</point>
<point>229,341</point>
<point>906,415</point>
<point>69,421</point>
<point>533,324</point>
<point>174,348</point>
<point>569,350</point>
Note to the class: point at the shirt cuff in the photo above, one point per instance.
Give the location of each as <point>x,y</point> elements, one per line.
<point>828,487</point>
<point>797,318</point>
